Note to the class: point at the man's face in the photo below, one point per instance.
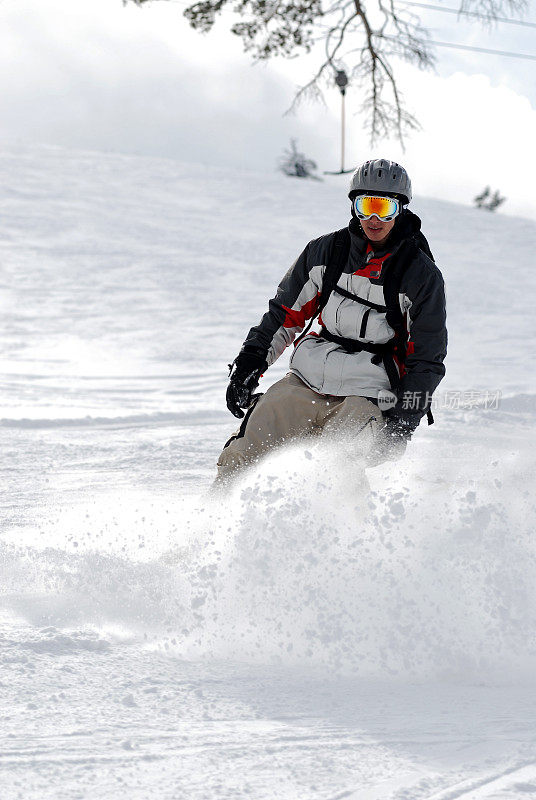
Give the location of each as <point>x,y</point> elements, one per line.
<point>377,231</point>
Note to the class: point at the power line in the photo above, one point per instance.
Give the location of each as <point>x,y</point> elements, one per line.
<point>527,56</point>
<point>454,46</point>
<point>471,14</point>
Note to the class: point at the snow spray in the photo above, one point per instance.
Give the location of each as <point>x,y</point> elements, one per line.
<point>428,573</point>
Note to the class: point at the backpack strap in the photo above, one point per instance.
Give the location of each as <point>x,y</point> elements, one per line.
<point>393,281</point>
<point>338,257</point>
<point>336,262</point>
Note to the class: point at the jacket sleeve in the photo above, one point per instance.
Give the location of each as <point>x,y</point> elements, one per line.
<point>296,301</point>
<point>427,344</point>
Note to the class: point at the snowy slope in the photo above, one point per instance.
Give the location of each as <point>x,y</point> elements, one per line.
<point>302,639</point>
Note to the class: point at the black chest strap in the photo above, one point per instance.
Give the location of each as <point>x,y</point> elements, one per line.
<point>357,299</point>
<point>336,262</point>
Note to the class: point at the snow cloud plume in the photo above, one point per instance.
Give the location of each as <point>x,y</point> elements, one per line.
<point>430,582</point>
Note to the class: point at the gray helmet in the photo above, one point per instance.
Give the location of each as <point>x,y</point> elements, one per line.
<point>382,176</point>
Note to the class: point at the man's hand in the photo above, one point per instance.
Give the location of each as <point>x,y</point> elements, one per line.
<point>391,442</point>
<point>246,370</point>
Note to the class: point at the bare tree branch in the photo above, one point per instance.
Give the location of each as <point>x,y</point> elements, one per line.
<point>490,10</point>
<point>363,37</point>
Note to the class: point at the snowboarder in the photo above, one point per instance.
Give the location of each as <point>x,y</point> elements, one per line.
<point>369,374</point>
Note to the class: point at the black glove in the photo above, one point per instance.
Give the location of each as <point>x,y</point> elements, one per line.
<point>391,441</point>
<point>245,372</point>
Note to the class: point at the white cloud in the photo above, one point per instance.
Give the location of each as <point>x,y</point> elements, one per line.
<point>474,134</point>
<point>101,75</point>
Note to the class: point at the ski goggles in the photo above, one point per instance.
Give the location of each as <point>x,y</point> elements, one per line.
<point>367,206</point>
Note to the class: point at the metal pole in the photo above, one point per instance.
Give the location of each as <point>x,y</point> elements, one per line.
<point>343,126</point>
<point>341,79</point>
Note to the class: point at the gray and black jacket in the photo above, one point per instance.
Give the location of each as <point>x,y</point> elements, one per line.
<point>326,366</point>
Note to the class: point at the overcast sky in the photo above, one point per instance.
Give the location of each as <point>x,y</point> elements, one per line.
<point>95,74</point>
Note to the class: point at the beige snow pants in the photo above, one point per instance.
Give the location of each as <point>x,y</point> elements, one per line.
<point>288,411</point>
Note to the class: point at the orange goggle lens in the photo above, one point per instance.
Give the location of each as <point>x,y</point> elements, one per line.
<point>385,208</point>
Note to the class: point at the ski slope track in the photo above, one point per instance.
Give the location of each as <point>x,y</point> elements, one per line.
<point>303,637</point>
